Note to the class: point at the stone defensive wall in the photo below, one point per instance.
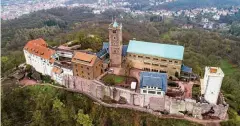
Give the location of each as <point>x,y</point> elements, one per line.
<point>163,104</point>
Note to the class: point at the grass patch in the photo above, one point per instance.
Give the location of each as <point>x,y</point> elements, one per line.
<point>196,91</point>
<point>112,79</point>
<point>227,68</point>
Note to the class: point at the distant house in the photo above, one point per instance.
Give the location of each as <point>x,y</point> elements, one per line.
<point>153,83</point>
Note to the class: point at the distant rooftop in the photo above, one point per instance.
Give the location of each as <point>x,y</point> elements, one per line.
<point>156,49</point>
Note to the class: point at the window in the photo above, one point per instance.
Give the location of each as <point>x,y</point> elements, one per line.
<point>155,58</point>
<point>82,71</point>
<point>134,55</point>
<point>163,66</point>
<point>140,56</point>
<point>130,55</point>
<point>88,73</point>
<point>146,63</point>
<point>88,68</point>
<point>174,68</point>
<point>159,93</point>
<point>146,69</point>
<point>162,71</point>
<point>147,57</point>
<point>152,92</point>
<point>114,39</point>
<point>176,61</point>
<point>170,61</point>
<point>114,31</point>
<point>144,91</point>
<point>155,64</point>
<point>163,60</point>
<point>81,66</point>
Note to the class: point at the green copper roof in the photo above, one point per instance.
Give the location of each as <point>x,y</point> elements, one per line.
<point>156,49</point>
<point>115,24</point>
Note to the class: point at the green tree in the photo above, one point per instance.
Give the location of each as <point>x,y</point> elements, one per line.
<point>83,119</point>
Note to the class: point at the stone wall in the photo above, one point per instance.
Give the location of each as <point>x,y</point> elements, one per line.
<point>152,102</point>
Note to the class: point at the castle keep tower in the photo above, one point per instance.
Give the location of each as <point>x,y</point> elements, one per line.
<point>115,44</point>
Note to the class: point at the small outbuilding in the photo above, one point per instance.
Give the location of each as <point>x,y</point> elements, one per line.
<point>153,83</point>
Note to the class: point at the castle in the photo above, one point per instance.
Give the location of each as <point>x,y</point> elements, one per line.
<point>158,63</point>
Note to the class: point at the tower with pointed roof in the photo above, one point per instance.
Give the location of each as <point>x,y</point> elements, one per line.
<point>115,44</point>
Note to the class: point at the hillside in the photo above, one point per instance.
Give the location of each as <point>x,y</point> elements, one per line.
<point>36,105</point>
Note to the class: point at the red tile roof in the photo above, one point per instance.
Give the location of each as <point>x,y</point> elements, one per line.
<point>39,48</point>
<point>39,41</point>
<point>88,59</point>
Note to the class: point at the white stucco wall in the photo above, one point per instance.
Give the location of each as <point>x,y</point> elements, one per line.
<point>213,88</point>
<point>212,84</point>
<point>59,78</point>
<point>152,89</point>
<point>41,65</point>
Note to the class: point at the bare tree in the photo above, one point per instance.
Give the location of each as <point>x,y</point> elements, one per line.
<point>128,65</point>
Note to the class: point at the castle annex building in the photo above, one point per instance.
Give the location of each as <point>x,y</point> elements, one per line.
<point>87,66</point>
<point>211,84</point>
<point>39,56</point>
<point>156,57</point>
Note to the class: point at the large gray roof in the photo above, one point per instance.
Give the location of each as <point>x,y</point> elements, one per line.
<point>153,79</point>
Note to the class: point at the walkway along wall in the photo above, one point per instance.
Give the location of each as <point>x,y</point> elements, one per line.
<point>167,104</point>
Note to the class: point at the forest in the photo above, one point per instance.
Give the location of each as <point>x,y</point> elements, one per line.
<point>47,106</point>
<point>60,25</point>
